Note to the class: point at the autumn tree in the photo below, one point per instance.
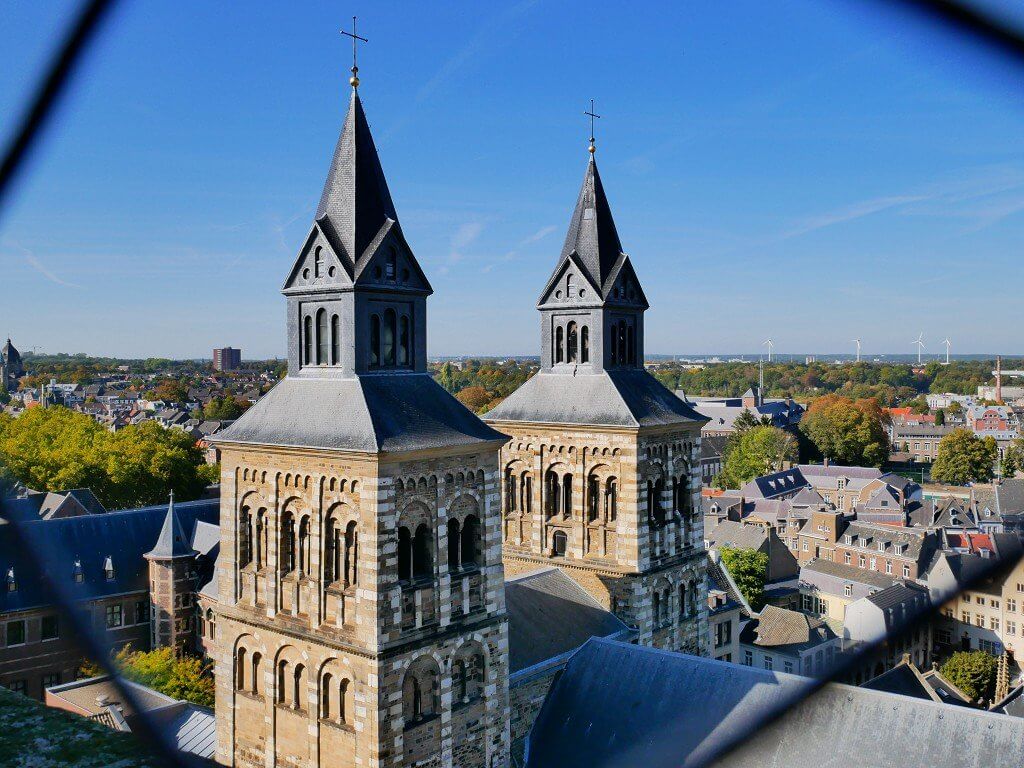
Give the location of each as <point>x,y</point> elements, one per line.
<point>756,451</point>
<point>1013,458</point>
<point>850,432</point>
<point>474,398</point>
<point>180,677</point>
<point>749,569</point>
<point>965,458</point>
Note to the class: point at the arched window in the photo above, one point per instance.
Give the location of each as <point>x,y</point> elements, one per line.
<point>584,344</point>
<point>304,546</point>
<point>553,493</point>
<point>325,696</point>
<point>471,549</point>
<point>613,346</point>
<point>510,490</point>
<point>282,681</point>
<point>422,553</point>
<point>374,341</point>
<point>332,550</point>
<point>321,337</point>
<point>593,498</point>
<point>623,359</point>
<point>571,342</point>
<point>526,491</point>
<point>391,268</point>
<point>261,537</point>
<point>611,502</point>
<point>255,682</point>
<point>287,558</point>
<point>345,694</point>
<point>240,670</point>
<point>318,261</point>
<point>388,345</point>
<point>244,537</point>
<point>404,554</point>
<point>307,341</point>
<point>682,600</point>
<point>297,697</point>
<point>454,542</point>
<point>657,609</point>
<point>559,543</point>
<point>559,345</point>
<point>631,346</point>
<point>567,496</point>
<point>655,508</point>
<point>351,554</point>
<point>403,341</point>
<point>335,340</point>
<point>570,285</point>
<point>459,682</point>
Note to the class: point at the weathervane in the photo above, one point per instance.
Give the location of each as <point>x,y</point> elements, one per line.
<point>591,114</point>
<point>354,80</point>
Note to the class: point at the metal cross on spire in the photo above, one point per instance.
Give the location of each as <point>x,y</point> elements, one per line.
<point>354,80</point>
<point>592,116</point>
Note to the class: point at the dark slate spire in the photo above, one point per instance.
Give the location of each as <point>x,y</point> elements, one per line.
<point>172,542</point>
<point>355,204</point>
<point>592,235</point>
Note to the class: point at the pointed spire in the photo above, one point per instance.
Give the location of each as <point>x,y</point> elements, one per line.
<point>356,203</point>
<point>172,542</point>
<point>592,235</point>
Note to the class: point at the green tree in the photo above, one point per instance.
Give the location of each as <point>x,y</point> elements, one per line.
<point>940,417</point>
<point>955,407</point>
<point>184,677</point>
<point>965,458</point>
<point>847,431</point>
<point>919,405</point>
<point>748,420</point>
<point>749,569</point>
<point>223,408</point>
<point>1013,458</point>
<point>54,449</point>
<point>973,672</point>
<point>757,451</point>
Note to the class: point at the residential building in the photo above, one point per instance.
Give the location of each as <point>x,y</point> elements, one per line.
<point>722,412</point>
<point>827,588</point>
<point>782,563</point>
<point>227,359</point>
<point>712,449</point>
<point>920,443</point>
<point>789,641</point>
<point>905,679</point>
<point>895,617</point>
<point>727,610</point>
<point>898,552</point>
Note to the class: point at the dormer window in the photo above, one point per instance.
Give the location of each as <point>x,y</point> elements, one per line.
<point>108,569</point>
<point>881,546</point>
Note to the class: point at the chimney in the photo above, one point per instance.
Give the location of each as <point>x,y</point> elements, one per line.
<point>999,379</point>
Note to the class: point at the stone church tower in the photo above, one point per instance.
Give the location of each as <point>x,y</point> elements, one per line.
<point>361,617</point>
<point>171,585</point>
<point>601,477</point>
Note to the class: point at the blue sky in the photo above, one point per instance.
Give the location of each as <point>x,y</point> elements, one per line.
<point>812,170</point>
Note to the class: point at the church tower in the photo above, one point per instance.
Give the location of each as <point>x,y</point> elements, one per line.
<point>601,477</point>
<point>171,585</point>
<point>361,617</point>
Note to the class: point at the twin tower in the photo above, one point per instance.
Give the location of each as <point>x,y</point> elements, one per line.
<point>368,520</point>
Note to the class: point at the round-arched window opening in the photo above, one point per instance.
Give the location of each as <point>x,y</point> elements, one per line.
<point>558,294</point>
<point>305,274</point>
<point>331,271</point>
<point>377,272</point>
<point>583,292</point>
<point>405,275</point>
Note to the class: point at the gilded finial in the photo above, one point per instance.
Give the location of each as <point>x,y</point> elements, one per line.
<point>592,148</point>
<point>354,80</point>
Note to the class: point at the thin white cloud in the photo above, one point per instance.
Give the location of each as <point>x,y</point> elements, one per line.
<point>42,269</point>
<point>536,237</point>
<point>851,213</point>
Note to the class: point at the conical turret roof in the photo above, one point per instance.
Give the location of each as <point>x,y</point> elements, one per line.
<point>172,541</point>
<point>356,203</point>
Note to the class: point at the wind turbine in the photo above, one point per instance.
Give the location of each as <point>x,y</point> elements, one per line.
<point>920,345</point>
<point>947,343</point>
<point>857,342</point>
<point>771,345</point>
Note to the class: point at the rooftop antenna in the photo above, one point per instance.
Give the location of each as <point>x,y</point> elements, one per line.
<point>356,39</point>
<point>592,148</point>
<point>857,342</point>
<point>760,375</point>
<point>920,345</point>
<point>947,343</point>
<point>771,345</point>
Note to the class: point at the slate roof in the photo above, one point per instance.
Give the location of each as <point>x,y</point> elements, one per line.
<point>356,203</point>
<point>89,539</point>
<point>904,680</point>
<point>783,483</point>
<point>730,533</point>
<point>865,536</point>
<point>616,398</point>
<point>387,412</point>
<point>551,615</point>
<point>718,578</point>
<point>172,542</point>
<point>592,236</point>
<point>623,705</point>
<point>832,577</point>
<point>1010,496</point>
<point>785,630</point>
<point>807,497</point>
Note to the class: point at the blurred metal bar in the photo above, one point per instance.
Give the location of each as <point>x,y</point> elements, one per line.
<point>61,69</point>
<point>985,28</point>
